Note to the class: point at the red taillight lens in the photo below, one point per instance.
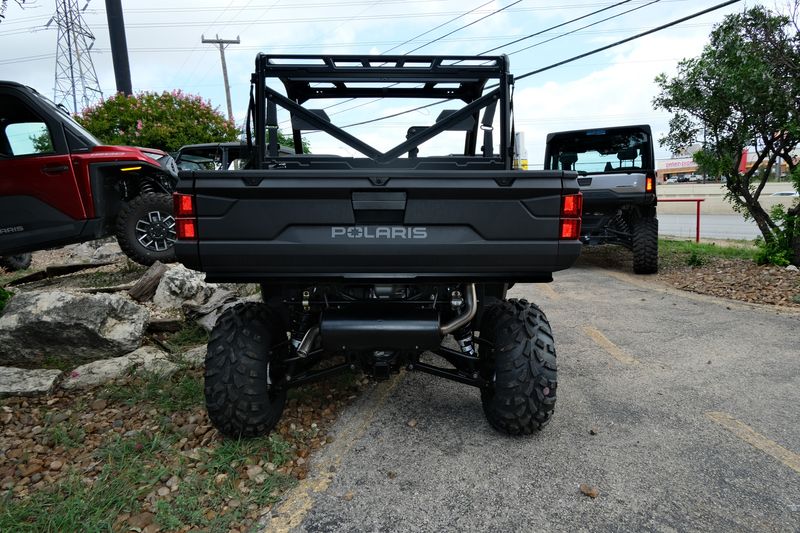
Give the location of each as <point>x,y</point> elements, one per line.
<point>571,210</point>
<point>571,205</point>
<point>184,205</point>
<point>187,228</point>
<point>570,228</point>
<point>650,184</point>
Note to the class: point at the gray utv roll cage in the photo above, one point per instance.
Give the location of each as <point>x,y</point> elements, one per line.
<point>307,77</point>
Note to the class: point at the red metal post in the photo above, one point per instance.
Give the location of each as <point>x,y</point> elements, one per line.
<point>697,232</point>
<point>697,202</point>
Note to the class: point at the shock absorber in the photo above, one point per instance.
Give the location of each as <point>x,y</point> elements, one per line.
<point>146,186</point>
<point>465,341</point>
<point>303,325</point>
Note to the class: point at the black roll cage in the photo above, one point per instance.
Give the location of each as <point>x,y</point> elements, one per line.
<point>461,78</point>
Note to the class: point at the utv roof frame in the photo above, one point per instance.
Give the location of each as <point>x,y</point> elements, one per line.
<point>452,77</point>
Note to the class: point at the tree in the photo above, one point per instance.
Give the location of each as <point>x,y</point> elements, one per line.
<point>4,7</point>
<point>167,121</point>
<point>743,91</point>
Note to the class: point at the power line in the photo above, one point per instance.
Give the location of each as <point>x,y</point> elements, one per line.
<point>595,23</point>
<point>554,27</point>
<point>462,27</point>
<point>524,38</point>
<point>629,39</point>
<point>398,46</point>
<point>437,27</point>
<point>564,62</point>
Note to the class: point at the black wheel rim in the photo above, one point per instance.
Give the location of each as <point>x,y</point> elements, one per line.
<point>156,231</point>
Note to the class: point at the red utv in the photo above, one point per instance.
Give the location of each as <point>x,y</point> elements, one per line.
<point>60,185</point>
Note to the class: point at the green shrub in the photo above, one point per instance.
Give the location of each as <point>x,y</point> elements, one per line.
<point>167,121</point>
<point>5,296</point>
<point>695,259</point>
<point>779,251</point>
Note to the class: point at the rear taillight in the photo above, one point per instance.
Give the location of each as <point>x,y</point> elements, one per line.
<point>571,209</point>
<point>650,183</point>
<point>185,220</point>
<point>183,204</point>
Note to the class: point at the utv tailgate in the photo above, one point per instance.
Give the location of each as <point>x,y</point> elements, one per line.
<point>263,225</point>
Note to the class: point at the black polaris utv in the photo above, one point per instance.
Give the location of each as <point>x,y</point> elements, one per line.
<point>617,177</point>
<point>370,261</point>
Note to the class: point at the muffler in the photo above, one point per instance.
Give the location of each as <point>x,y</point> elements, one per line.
<point>380,327</point>
<point>376,326</point>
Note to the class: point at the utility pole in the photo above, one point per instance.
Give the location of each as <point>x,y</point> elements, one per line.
<point>119,46</point>
<point>222,43</point>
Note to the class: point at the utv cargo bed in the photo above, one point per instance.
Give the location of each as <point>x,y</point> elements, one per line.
<point>303,225</point>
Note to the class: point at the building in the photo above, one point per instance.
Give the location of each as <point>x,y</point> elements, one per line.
<point>683,168</point>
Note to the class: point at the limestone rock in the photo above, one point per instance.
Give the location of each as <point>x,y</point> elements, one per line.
<point>145,359</point>
<point>194,358</point>
<point>41,326</point>
<point>23,382</point>
<point>180,285</point>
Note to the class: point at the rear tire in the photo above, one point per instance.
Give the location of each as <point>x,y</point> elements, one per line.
<point>520,366</point>
<point>15,262</point>
<point>240,369</point>
<point>146,229</point>
<point>645,245</point>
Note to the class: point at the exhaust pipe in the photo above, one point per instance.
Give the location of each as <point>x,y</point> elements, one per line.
<point>471,299</point>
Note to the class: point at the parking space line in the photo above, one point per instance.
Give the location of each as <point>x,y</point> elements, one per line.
<point>549,292</point>
<point>299,501</point>
<point>756,440</point>
<point>613,350</point>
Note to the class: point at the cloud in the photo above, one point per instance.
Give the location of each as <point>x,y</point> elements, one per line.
<point>618,94</point>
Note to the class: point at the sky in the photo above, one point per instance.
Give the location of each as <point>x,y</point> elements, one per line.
<point>611,88</point>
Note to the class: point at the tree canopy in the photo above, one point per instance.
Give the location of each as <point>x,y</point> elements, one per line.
<point>743,91</point>
<point>167,120</point>
<point>4,7</point>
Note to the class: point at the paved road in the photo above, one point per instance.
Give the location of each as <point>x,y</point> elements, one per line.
<point>695,402</point>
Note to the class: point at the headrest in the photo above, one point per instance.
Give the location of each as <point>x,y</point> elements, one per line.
<point>568,158</point>
<point>629,154</point>
<point>299,123</point>
<point>465,124</point>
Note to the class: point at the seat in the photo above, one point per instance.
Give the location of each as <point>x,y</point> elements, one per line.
<point>608,167</point>
<point>567,160</point>
<point>629,154</point>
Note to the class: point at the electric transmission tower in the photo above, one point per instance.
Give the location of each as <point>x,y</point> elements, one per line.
<point>76,80</point>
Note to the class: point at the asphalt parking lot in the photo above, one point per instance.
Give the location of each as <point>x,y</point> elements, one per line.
<point>695,403</point>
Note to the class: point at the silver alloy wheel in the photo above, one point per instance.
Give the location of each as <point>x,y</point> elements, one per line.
<point>156,231</point>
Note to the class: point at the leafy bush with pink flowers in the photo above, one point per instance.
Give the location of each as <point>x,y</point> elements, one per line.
<point>167,120</point>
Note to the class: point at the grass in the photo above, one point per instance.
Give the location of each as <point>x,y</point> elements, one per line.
<point>131,468</point>
<point>697,254</point>
<point>135,466</point>
<point>68,436</point>
<point>169,394</point>
<point>8,277</point>
<point>190,335</point>
<point>5,296</point>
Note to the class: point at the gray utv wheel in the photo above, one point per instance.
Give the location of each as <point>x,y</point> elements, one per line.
<point>241,367</point>
<point>15,262</point>
<point>146,229</point>
<point>645,245</point>
<point>520,365</point>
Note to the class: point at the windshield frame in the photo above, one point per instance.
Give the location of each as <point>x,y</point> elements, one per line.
<point>90,139</point>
